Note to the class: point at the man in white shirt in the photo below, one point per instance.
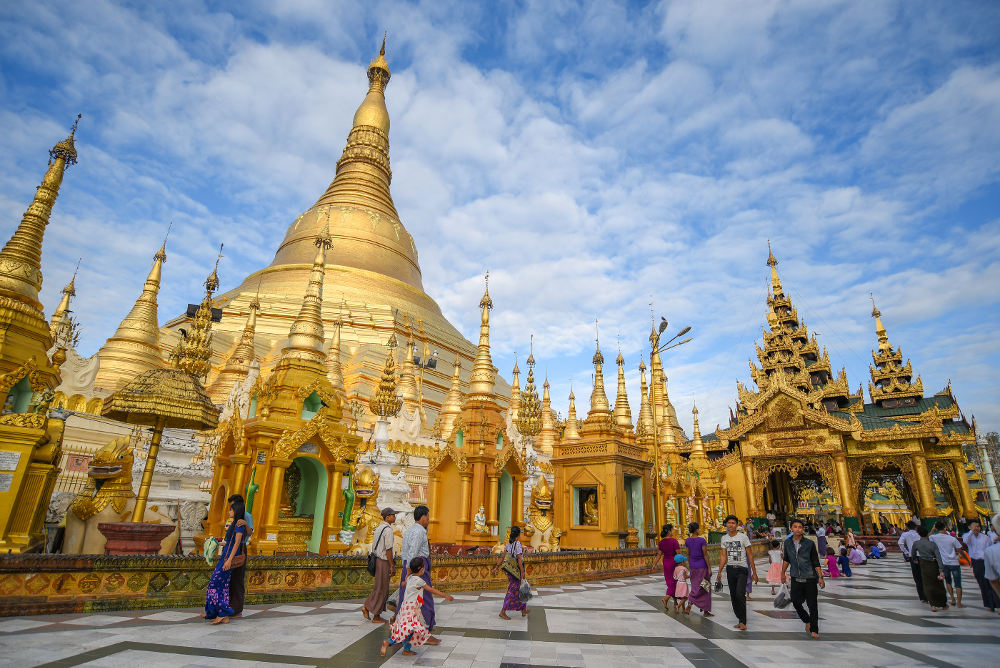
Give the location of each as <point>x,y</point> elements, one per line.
<point>976,541</point>
<point>906,541</point>
<point>992,559</point>
<point>416,546</point>
<point>735,550</point>
<point>384,568</point>
<point>949,546</point>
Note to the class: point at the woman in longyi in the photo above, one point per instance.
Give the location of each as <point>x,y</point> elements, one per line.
<point>217,607</point>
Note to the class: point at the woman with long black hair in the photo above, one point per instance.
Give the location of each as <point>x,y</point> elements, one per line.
<point>512,562</point>
<point>217,606</point>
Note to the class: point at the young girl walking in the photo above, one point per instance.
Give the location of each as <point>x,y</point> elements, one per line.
<point>409,627</point>
<point>831,563</point>
<point>681,575</point>
<point>774,570</point>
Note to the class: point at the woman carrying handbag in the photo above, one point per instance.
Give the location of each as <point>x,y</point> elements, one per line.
<point>512,564</point>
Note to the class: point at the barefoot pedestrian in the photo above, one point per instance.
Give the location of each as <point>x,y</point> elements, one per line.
<point>977,542</point>
<point>931,570</point>
<point>385,568</point>
<point>701,571</point>
<point>801,564</point>
<point>409,628</point>
<point>735,551</point>
<point>949,547</point>
<point>512,564</point>
<point>217,605</point>
<point>668,548</point>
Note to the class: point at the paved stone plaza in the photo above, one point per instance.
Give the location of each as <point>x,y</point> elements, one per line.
<point>872,619</point>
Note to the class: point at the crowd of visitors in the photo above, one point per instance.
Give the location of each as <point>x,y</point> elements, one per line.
<point>798,564</point>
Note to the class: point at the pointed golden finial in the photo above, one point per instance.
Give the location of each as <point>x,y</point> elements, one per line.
<point>385,402</point>
<point>161,254</point>
<point>306,336</point>
<point>482,379</point>
<point>378,69</point>
<point>212,282</point>
<point>772,262</point>
<point>883,337</point>
<point>529,414</point>
<point>697,446</point>
<point>193,353</point>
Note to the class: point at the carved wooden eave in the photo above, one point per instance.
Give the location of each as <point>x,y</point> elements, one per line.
<point>449,451</point>
<point>507,454</point>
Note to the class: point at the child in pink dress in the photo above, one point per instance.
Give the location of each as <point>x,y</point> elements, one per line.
<point>409,627</point>
<point>774,570</point>
<point>682,575</point>
<point>831,563</point>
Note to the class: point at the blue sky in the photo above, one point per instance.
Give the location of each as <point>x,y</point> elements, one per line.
<point>592,156</point>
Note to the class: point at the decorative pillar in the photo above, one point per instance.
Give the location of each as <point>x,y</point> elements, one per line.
<point>988,477</point>
<point>275,486</point>
<point>463,513</point>
<point>848,507</point>
<point>518,504</point>
<point>239,467</point>
<point>334,523</point>
<point>964,492</point>
<point>491,502</point>
<point>925,491</point>
<point>752,509</point>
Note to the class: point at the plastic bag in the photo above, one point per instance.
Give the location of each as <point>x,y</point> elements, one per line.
<point>782,600</point>
<point>718,586</point>
<point>524,593</point>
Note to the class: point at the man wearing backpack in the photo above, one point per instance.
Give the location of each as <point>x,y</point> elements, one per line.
<point>385,568</point>
<point>801,558</point>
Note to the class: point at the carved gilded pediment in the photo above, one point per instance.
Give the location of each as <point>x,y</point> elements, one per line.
<point>332,436</point>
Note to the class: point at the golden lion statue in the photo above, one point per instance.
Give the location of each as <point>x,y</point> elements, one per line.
<point>544,535</point>
<point>108,497</point>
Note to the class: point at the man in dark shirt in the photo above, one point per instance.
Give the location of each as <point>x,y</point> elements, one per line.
<point>800,556</point>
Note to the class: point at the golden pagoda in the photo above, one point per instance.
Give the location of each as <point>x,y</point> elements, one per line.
<point>30,441</point>
<point>803,427</point>
<point>372,284</point>
<point>478,466</point>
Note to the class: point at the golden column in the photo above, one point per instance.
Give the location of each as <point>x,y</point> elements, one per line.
<point>752,509</point>
<point>925,491</point>
<point>491,502</point>
<point>463,513</point>
<point>239,469</point>
<point>274,487</point>
<point>333,522</point>
<point>965,493</point>
<point>847,495</point>
<point>518,505</point>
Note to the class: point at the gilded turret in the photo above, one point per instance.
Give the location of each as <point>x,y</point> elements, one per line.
<point>482,378</point>
<point>452,406</point>
<point>891,383</point>
<point>193,354</point>
<point>135,346</point>
<point>547,436</point>
<point>656,406</point>
<point>623,414</point>
<point>334,370</point>
<point>305,337</point>
<point>238,364</point>
<point>60,317</point>
<point>598,398</point>
<point>697,446</point>
<point>21,257</point>
<point>644,430</point>
<point>407,379</point>
<point>572,432</point>
<point>515,390</point>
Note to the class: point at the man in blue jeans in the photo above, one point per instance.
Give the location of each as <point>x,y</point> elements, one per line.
<point>801,558</point>
<point>949,547</point>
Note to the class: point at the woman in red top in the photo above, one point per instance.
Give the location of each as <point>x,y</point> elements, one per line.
<point>669,547</point>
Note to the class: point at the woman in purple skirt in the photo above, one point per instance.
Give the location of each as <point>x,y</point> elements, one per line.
<point>512,601</point>
<point>701,571</point>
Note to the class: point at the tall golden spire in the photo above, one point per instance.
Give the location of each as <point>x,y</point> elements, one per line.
<point>305,337</point>
<point>482,378</point>
<point>193,353</point>
<point>892,381</point>
<point>547,436</point>
<point>656,381</point>
<point>451,407</point>
<point>334,370</point>
<point>21,257</point>
<point>623,414</point>
<point>572,432</point>
<point>407,378</point>
<point>238,365</point>
<point>135,346</point>
<point>645,426</point>
<point>772,262</point>
<point>515,389</point>
<point>62,311</point>
<point>598,398</point>
<point>697,447</point>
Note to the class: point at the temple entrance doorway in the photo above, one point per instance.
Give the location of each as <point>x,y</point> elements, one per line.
<point>505,498</point>
<point>307,486</point>
<point>633,507</point>
<point>886,499</point>
<point>805,495</point>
